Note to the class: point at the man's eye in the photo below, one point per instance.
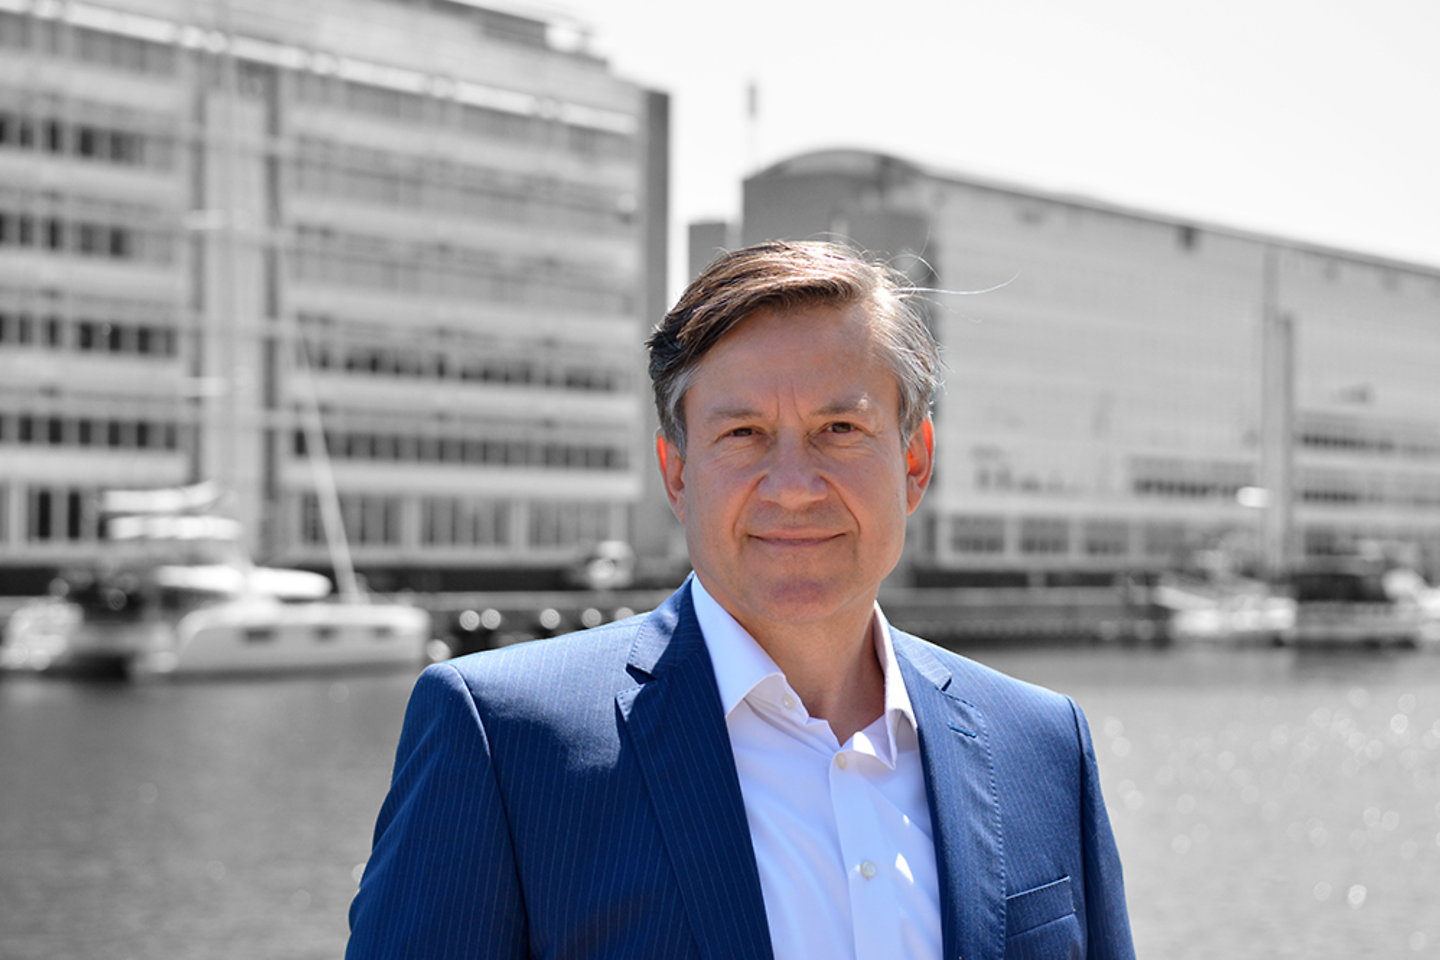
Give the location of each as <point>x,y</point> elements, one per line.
<point>842,427</point>
<point>741,432</point>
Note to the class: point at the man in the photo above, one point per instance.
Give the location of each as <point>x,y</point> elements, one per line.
<point>762,766</point>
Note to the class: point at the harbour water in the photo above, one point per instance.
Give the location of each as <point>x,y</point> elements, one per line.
<point>1267,803</point>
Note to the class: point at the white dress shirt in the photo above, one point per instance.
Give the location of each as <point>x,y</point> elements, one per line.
<point>842,833</point>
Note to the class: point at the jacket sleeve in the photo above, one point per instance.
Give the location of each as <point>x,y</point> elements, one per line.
<point>441,881</point>
<point>1107,921</point>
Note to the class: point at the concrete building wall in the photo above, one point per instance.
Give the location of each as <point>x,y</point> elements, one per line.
<point>430,212</point>
<point>1104,396</point>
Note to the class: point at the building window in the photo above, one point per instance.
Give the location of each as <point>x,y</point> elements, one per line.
<point>462,446</point>
<point>40,516</point>
<point>90,238</point>
<point>368,349</point>
<point>116,52</point>
<point>1106,538</point>
<point>89,431</point>
<point>312,521</point>
<point>437,521</point>
<point>1044,535</point>
<point>559,523</point>
<point>1175,478</point>
<point>371,520</point>
<point>447,521</point>
<point>392,179</point>
<point>977,534</point>
<point>88,141</point>
<point>483,522</point>
<point>59,514</point>
<point>74,516</point>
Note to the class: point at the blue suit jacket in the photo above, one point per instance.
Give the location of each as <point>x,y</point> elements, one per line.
<point>577,797</point>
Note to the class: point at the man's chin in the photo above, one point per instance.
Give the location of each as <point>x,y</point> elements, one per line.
<point>800,602</point>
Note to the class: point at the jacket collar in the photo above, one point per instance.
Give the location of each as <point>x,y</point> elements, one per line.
<point>674,723</point>
<point>964,806</point>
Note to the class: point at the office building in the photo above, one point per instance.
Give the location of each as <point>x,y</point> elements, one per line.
<point>430,232</point>
<point>1133,391</point>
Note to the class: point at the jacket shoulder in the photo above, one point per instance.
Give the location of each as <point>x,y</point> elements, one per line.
<point>535,670</point>
<point>609,657</point>
<point>999,696</point>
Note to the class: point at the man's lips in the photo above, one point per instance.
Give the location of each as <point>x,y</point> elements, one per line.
<point>807,538</point>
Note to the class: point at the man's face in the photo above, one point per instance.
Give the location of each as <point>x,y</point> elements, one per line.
<point>794,485</point>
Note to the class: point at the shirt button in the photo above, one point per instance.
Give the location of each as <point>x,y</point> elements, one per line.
<point>788,702</point>
<point>840,761</point>
<point>867,869</point>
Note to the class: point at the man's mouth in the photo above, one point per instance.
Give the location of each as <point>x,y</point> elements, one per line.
<point>795,539</point>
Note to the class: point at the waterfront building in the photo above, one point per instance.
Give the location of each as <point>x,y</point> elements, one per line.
<point>444,223</point>
<point>1133,388</point>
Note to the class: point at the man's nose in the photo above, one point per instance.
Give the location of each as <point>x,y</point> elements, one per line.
<point>792,474</point>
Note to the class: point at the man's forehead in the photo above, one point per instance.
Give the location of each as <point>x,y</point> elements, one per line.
<point>844,392</point>
<point>854,320</point>
<point>827,378</point>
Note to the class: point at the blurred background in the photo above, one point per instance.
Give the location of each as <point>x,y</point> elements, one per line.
<point>320,358</point>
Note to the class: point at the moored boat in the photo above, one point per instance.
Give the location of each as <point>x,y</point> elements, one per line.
<point>1356,601</point>
<point>1232,610</point>
<point>186,601</point>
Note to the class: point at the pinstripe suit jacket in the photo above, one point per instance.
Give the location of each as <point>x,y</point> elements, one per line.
<point>577,797</point>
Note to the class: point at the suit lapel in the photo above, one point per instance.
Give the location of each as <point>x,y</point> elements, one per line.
<point>964,808</point>
<point>675,724</point>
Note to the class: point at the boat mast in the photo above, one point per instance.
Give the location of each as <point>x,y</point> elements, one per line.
<point>316,452</point>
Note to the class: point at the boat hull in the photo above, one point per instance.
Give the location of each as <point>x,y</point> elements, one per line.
<point>249,636</point>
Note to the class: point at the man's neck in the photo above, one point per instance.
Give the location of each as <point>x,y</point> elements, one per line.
<point>832,665</point>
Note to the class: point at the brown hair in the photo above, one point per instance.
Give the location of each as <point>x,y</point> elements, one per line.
<point>781,274</point>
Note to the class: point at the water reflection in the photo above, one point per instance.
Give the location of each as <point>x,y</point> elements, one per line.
<point>179,820</point>
<point>1266,802</point>
<point>1269,802</point>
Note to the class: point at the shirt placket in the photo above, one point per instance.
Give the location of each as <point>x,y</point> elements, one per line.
<point>869,864</point>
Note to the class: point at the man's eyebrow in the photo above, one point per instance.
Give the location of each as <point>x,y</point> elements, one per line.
<point>834,408</point>
<point>730,413</point>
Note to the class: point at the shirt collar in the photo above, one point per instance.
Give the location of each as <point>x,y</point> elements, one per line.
<point>741,663</point>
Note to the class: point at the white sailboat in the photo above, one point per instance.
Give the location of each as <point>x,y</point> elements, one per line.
<point>185,600</point>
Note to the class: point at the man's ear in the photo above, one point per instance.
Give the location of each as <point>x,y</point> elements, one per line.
<point>919,464</point>
<point>672,472</point>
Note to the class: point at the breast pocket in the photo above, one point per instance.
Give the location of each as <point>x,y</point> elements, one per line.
<point>1040,924</point>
